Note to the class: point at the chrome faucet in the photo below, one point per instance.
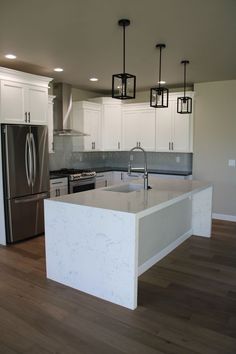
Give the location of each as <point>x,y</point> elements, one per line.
<point>145,174</point>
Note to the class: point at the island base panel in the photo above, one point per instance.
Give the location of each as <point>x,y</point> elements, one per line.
<point>161,232</point>
<point>92,250</point>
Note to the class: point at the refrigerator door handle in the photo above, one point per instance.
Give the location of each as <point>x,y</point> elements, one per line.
<point>32,198</point>
<point>27,170</point>
<point>34,170</point>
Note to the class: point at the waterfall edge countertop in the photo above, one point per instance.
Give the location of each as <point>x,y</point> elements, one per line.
<point>100,241</point>
<point>161,194</point>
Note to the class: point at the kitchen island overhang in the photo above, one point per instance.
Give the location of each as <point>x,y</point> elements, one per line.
<point>100,241</point>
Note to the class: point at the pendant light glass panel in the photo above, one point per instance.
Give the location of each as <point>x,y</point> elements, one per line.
<point>124,84</point>
<point>159,95</point>
<point>184,104</point>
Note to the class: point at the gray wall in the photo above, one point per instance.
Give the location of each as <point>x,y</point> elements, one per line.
<point>215,141</point>
<point>83,95</point>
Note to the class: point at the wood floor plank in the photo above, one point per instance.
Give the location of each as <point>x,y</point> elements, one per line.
<point>187,304</point>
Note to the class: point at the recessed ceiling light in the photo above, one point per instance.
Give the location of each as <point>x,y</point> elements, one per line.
<point>10,56</point>
<point>93,79</point>
<point>162,82</point>
<point>58,69</point>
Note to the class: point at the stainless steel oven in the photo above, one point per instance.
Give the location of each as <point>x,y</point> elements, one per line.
<point>81,185</point>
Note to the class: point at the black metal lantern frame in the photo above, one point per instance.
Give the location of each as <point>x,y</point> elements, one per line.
<point>159,96</point>
<point>124,84</point>
<point>184,104</point>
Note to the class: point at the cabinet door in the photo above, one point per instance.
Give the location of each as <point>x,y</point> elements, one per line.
<point>139,128</point>
<point>163,128</point>
<point>146,129</point>
<point>111,127</point>
<point>92,122</point>
<point>181,132</point>
<point>12,102</point>
<point>130,124</point>
<point>37,104</point>
<point>116,177</point>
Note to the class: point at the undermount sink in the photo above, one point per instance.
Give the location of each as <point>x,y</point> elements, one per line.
<point>126,188</point>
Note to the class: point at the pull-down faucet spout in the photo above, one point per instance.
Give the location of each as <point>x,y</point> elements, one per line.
<point>145,174</point>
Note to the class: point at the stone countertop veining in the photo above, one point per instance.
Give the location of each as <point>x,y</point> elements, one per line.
<point>163,193</point>
<point>150,170</point>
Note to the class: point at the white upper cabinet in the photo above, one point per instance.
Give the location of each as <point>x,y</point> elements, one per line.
<point>12,102</point>
<point>110,123</point>
<point>174,131</point>
<point>37,104</point>
<point>138,126</point>
<point>86,117</point>
<point>23,97</point>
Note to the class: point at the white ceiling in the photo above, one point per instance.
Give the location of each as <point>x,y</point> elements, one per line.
<point>83,37</point>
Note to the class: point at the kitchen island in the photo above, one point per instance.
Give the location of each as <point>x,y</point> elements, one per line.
<point>101,240</point>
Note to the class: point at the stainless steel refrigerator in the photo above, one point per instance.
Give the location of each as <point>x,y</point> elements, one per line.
<point>26,179</point>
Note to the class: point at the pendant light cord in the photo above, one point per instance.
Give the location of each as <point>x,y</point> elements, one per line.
<point>184,78</point>
<point>160,68</point>
<point>123,48</point>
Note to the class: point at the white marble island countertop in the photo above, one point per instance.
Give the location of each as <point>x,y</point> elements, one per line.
<point>100,241</point>
<point>141,202</point>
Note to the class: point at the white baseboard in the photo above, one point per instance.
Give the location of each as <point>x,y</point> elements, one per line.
<point>150,262</point>
<point>224,217</point>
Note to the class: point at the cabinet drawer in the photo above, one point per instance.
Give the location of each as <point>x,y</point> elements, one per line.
<point>58,182</point>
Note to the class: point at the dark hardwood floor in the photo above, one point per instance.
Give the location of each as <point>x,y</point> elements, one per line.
<point>187,304</point>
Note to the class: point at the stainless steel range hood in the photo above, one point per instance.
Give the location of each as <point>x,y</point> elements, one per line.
<point>62,109</point>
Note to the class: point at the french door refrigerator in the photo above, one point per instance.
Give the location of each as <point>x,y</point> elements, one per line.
<point>26,179</point>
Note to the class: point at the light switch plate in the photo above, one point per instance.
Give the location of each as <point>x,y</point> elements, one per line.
<point>231,163</point>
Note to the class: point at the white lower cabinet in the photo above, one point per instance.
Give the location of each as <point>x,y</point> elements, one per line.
<point>156,175</point>
<point>103,179</point>
<point>106,179</point>
<point>138,126</point>
<point>58,186</point>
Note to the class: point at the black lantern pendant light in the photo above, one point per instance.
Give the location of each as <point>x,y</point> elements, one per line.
<point>159,96</point>
<point>184,104</point>
<point>123,85</point>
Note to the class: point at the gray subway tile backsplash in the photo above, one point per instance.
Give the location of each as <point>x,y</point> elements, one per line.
<point>65,157</point>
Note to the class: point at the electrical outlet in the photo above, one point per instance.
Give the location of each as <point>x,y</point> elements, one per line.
<point>177,159</point>
<point>231,163</point>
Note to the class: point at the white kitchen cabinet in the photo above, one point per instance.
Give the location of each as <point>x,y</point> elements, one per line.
<point>103,179</point>
<point>58,186</point>
<point>162,176</point>
<point>23,97</point>
<point>138,126</point>
<point>50,124</point>
<point>86,117</point>
<point>110,123</point>
<point>117,177</point>
<point>173,130</point>
<point>129,177</point>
